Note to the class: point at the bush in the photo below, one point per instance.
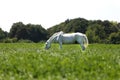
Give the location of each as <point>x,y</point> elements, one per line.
<point>25,41</point>
<point>8,40</point>
<point>115,38</point>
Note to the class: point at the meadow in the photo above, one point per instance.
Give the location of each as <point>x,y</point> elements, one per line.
<point>29,61</point>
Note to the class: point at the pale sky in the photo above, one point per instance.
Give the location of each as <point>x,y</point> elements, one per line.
<point>51,12</point>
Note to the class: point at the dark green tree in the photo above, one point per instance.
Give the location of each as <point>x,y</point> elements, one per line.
<point>30,32</point>
<point>22,33</point>
<point>109,27</point>
<point>115,38</point>
<point>3,34</point>
<point>36,32</point>
<point>15,29</point>
<point>98,33</point>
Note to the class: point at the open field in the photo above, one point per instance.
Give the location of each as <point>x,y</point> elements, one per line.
<point>29,61</point>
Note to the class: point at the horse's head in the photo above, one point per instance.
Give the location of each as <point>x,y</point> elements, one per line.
<point>54,38</point>
<point>47,45</point>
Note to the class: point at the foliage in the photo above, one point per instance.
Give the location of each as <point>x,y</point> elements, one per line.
<point>115,38</point>
<point>25,41</point>
<point>16,27</point>
<point>97,31</point>
<point>31,32</point>
<point>73,25</point>
<point>31,62</point>
<point>3,34</point>
<point>9,40</point>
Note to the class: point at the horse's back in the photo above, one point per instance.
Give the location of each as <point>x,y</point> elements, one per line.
<point>68,38</point>
<point>80,34</point>
<point>71,37</point>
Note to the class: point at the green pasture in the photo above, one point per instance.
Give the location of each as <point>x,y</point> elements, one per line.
<point>29,61</point>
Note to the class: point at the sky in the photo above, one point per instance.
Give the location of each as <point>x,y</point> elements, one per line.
<point>48,13</point>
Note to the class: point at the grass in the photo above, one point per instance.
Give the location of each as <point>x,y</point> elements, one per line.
<point>29,61</point>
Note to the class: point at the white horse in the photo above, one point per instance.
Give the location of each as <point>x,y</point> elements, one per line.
<point>68,38</point>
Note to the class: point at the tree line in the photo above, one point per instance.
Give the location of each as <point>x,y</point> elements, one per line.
<point>97,31</point>
<point>22,32</point>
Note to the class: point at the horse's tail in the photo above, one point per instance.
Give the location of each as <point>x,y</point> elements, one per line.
<point>85,41</point>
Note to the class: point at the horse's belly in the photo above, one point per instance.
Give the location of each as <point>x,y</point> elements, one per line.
<point>68,40</point>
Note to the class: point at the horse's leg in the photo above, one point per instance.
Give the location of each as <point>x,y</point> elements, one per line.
<point>60,43</point>
<point>83,47</point>
<point>81,44</point>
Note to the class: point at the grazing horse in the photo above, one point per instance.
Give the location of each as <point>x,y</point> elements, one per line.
<point>67,38</point>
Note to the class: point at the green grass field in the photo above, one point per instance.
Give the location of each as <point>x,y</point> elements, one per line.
<point>29,61</point>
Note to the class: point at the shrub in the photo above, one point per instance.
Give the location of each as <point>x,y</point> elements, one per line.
<point>115,38</point>
<point>25,41</point>
<point>8,40</point>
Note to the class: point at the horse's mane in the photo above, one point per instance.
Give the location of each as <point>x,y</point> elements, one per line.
<point>55,35</point>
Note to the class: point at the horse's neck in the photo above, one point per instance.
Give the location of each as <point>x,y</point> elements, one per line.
<point>54,36</point>
<point>52,39</point>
